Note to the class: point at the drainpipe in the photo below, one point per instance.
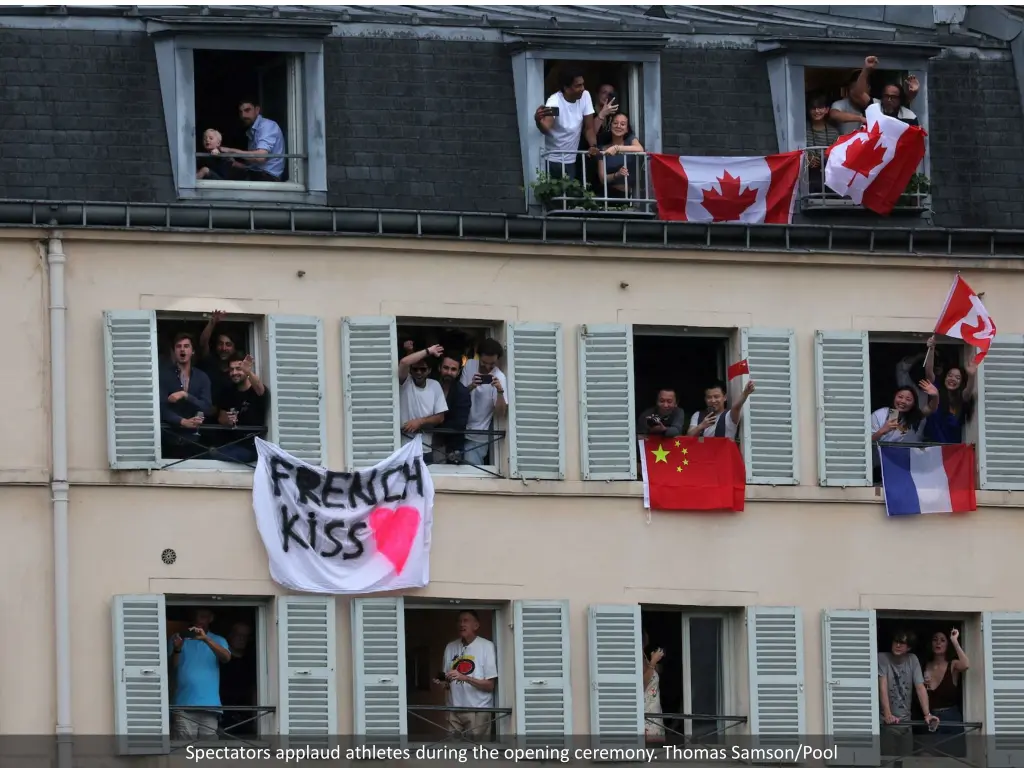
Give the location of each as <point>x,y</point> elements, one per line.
<point>55,261</point>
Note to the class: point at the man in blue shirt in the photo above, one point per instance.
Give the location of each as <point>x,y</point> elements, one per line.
<point>265,138</point>
<point>196,660</point>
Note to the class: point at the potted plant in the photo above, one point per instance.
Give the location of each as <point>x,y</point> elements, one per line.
<point>550,191</point>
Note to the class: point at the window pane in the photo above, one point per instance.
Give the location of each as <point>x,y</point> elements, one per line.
<point>706,675</point>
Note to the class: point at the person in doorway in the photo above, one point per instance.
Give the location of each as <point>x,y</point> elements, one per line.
<point>956,399</point>
<point>899,678</point>
<point>619,160</point>
<point>238,682</point>
<point>421,399</point>
<point>261,160</point>
<point>244,404</point>
<point>215,351</point>
<point>486,384</point>
<point>470,675</point>
<point>904,421</point>
<point>943,674</point>
<point>450,447</point>
<point>716,421</point>
<point>654,727</point>
<point>666,419</point>
<point>195,662</point>
<point>185,401</point>
<point>566,116</point>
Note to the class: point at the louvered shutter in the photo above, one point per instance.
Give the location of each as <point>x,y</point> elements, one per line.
<point>851,686</point>
<point>369,360</point>
<point>378,644</point>
<point>616,679</point>
<point>536,413</point>
<point>775,646</point>
<point>1001,415</point>
<point>140,675</point>
<point>770,430</point>
<point>1004,687</point>
<point>298,418</point>
<point>843,399</point>
<point>307,648</point>
<point>607,421</point>
<point>133,390</point>
<point>543,689</point>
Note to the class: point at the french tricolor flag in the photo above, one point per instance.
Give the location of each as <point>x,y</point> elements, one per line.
<point>920,481</point>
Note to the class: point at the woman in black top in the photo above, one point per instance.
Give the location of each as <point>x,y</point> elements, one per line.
<point>943,675</point>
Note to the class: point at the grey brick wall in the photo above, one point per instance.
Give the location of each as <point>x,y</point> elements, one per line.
<point>976,143</point>
<point>422,124</point>
<point>81,117</point>
<point>716,101</point>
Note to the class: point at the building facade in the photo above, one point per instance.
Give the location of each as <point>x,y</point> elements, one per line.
<point>770,618</point>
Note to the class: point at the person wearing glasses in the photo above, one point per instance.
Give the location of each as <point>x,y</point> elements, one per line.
<point>899,678</point>
<point>421,399</point>
<point>895,98</point>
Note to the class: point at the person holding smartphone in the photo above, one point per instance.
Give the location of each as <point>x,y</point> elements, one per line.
<point>715,420</point>
<point>486,384</point>
<point>567,115</point>
<point>196,656</point>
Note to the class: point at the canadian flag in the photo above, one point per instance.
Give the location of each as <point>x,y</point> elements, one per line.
<point>965,317</point>
<point>873,166</point>
<point>753,190</point>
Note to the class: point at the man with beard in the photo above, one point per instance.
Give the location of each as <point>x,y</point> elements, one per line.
<point>185,399</point>
<point>215,365</point>
<point>894,99</point>
<point>421,399</point>
<point>243,404</point>
<point>449,447</point>
<point>265,138</point>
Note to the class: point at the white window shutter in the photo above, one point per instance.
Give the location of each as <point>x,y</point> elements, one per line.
<point>851,686</point>
<point>543,688</point>
<point>307,650</point>
<point>616,678</point>
<point>607,420</point>
<point>843,400</point>
<point>378,646</point>
<point>369,360</point>
<point>770,430</point>
<point>298,417</point>
<point>133,389</point>
<point>1004,687</point>
<point>1001,415</point>
<point>141,720</point>
<point>536,417</point>
<point>775,647</point>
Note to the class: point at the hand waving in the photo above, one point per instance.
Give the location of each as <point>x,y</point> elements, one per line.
<point>927,387</point>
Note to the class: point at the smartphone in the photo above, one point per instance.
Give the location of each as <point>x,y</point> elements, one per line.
<point>441,678</point>
<point>893,413</point>
<point>486,378</point>
<point>553,111</point>
<point>188,634</point>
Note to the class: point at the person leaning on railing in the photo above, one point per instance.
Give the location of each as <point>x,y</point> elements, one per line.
<point>820,133</point>
<point>612,168</point>
<point>956,399</point>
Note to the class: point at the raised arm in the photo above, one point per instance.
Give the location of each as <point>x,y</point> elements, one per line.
<point>929,360</point>
<point>860,92</point>
<point>409,360</point>
<point>933,397</point>
<point>961,663</point>
<point>971,369</point>
<point>207,334</point>
<point>737,407</point>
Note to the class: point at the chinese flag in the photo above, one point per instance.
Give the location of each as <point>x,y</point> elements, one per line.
<point>738,369</point>
<point>694,474</point>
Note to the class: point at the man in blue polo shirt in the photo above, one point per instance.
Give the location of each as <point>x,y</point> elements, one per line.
<point>196,660</point>
<point>265,138</point>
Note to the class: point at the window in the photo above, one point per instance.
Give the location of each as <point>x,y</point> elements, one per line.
<point>633,66</point>
<point>695,673</point>
<point>147,430</point>
<point>470,440</point>
<point>206,70</point>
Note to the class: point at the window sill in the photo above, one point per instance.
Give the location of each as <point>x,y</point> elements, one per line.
<point>483,472</point>
<point>253,192</point>
<point>205,465</point>
<point>817,204</point>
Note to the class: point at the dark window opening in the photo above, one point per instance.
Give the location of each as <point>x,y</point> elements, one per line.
<point>835,83</point>
<point>463,438</point>
<point>223,79</point>
<point>428,633</point>
<point>687,364</point>
<point>238,680</point>
<point>923,637</point>
<point>691,673</point>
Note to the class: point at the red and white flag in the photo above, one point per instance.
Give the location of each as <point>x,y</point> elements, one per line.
<point>753,190</point>
<point>965,317</point>
<point>738,369</point>
<point>873,166</point>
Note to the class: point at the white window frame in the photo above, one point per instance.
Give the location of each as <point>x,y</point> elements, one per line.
<point>505,695</point>
<point>788,86</point>
<point>528,75</point>
<point>266,695</point>
<point>257,334</point>
<point>305,133</point>
<point>728,691</point>
<point>499,449</point>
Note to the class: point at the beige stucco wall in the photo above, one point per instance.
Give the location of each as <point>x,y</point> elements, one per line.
<point>495,540</point>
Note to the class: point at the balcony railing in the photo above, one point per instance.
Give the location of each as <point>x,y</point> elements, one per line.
<point>579,186</point>
<point>484,733</point>
<point>458,447</point>
<point>220,163</point>
<point>212,442</point>
<point>814,195</point>
<point>231,727</point>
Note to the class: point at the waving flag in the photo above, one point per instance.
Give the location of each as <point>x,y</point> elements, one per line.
<point>965,317</point>
<point>920,481</point>
<point>693,474</point>
<point>753,190</point>
<point>873,166</point>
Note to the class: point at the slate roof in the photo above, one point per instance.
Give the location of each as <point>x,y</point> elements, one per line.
<point>83,115</point>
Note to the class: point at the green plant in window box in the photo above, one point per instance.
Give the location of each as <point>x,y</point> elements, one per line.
<point>913,196</point>
<point>550,191</point>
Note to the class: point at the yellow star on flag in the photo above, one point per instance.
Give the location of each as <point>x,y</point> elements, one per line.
<point>660,454</point>
<point>686,462</point>
<point>685,451</point>
<point>678,444</point>
<point>679,469</point>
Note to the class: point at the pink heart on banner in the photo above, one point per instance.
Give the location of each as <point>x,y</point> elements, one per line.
<point>395,531</point>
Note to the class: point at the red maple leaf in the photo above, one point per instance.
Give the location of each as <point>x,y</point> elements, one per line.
<point>864,156</point>
<point>728,204</point>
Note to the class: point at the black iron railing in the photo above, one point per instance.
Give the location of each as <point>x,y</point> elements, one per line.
<point>450,733</point>
<point>228,729</point>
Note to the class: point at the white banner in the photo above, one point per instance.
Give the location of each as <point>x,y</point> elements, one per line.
<point>345,533</point>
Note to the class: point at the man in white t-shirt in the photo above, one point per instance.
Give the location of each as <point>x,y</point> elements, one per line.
<point>421,399</point>
<point>471,672</point>
<point>566,115</point>
<point>716,421</point>
<point>486,384</point>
